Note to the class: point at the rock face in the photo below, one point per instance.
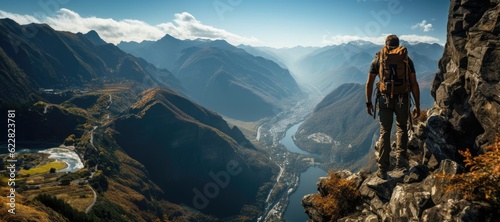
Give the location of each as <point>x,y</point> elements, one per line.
<point>466,88</point>
<point>465,115</point>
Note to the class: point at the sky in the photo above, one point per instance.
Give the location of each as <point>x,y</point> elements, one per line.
<point>273,23</point>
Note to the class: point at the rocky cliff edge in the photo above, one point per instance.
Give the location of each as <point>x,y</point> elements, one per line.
<point>466,115</point>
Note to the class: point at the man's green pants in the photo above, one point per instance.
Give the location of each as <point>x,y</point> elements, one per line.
<point>400,106</point>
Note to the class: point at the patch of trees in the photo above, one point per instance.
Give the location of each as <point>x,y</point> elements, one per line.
<point>65,209</point>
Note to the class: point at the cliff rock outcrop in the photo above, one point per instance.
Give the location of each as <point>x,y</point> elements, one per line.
<point>466,89</point>
<point>466,114</point>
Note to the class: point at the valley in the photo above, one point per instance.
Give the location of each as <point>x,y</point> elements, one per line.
<point>271,133</point>
<point>230,111</point>
<point>180,139</point>
<point>79,194</point>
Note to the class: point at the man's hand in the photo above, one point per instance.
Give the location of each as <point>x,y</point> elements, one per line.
<point>370,109</point>
<point>416,112</point>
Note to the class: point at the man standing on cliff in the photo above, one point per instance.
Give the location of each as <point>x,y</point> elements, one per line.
<point>397,79</point>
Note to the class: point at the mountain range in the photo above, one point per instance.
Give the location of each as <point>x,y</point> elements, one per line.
<point>49,59</point>
<point>152,150</point>
<point>60,59</point>
<point>323,69</point>
<point>222,77</point>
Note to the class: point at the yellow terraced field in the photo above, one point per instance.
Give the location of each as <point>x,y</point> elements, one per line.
<point>113,88</point>
<point>44,168</point>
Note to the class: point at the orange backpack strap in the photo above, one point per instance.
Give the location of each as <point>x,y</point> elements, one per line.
<point>381,58</point>
<point>407,64</point>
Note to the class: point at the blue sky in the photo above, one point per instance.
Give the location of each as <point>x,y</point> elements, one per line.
<point>275,23</point>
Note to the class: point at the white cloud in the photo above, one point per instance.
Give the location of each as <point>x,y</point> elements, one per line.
<point>379,40</point>
<point>21,19</point>
<point>184,26</point>
<point>419,38</point>
<point>340,39</point>
<point>109,29</point>
<point>423,25</point>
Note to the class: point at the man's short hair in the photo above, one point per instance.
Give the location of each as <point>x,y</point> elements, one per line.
<point>392,40</point>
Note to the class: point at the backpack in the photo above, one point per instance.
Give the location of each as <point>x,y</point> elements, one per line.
<point>394,71</point>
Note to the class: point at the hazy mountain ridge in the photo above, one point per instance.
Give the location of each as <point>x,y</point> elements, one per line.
<point>264,54</point>
<point>323,69</point>
<point>287,55</point>
<point>252,87</point>
<point>161,53</point>
<point>326,67</point>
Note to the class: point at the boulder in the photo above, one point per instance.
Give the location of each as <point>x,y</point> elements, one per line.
<point>373,185</point>
<point>312,211</point>
<point>459,210</point>
<point>408,201</point>
<point>437,183</point>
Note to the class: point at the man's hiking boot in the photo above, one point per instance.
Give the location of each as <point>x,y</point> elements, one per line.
<point>382,174</point>
<point>402,164</point>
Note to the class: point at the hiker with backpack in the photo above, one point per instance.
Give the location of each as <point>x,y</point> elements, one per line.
<point>397,79</point>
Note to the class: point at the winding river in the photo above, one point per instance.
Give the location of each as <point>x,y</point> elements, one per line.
<point>288,142</point>
<point>295,211</point>
<point>62,154</point>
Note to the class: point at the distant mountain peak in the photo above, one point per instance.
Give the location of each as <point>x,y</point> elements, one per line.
<point>168,37</point>
<point>95,38</point>
<point>92,33</point>
<point>360,43</point>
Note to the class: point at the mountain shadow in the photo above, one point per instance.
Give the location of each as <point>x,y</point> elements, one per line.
<point>193,155</point>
